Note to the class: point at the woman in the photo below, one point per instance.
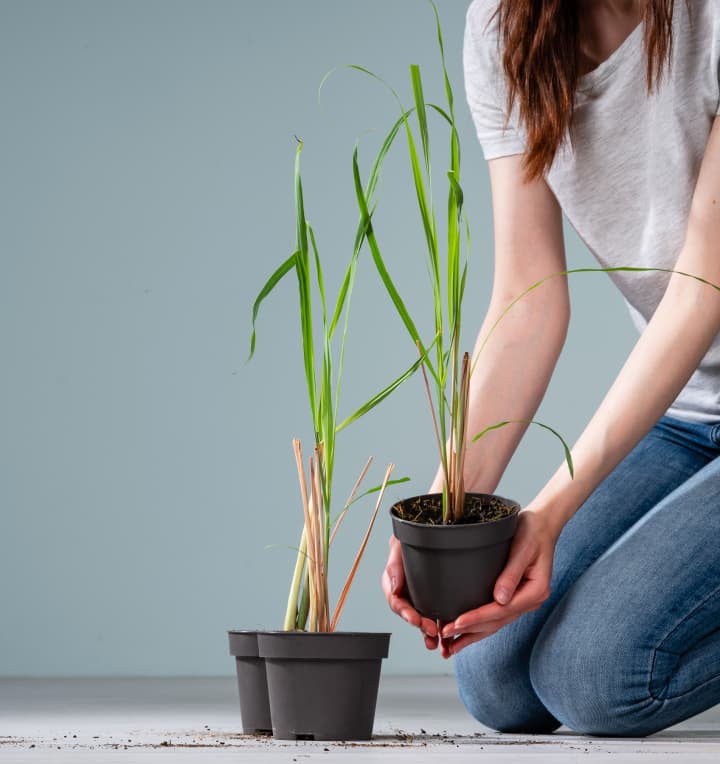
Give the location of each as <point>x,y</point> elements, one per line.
<point>607,615</point>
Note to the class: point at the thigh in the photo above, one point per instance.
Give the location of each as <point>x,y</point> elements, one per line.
<point>494,674</point>
<point>634,645</point>
<point>664,460</point>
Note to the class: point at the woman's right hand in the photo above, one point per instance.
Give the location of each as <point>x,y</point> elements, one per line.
<point>393,585</point>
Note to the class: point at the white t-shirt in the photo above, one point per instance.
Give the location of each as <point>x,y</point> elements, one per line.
<point>627,183</point>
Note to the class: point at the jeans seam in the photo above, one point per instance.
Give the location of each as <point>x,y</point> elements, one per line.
<point>715,434</point>
<point>659,648</point>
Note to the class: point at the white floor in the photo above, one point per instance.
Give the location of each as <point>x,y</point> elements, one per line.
<point>418,718</point>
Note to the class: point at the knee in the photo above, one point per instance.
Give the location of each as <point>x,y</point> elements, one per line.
<point>494,685</point>
<point>590,687</point>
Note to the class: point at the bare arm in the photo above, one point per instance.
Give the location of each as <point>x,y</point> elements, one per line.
<point>682,329</point>
<point>668,352</point>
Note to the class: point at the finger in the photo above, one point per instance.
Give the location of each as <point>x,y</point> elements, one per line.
<point>509,580</point>
<point>400,606</point>
<point>475,619</point>
<point>446,648</point>
<point>529,596</point>
<point>389,583</point>
<point>456,645</point>
<point>487,619</point>
<point>431,642</point>
<point>394,572</point>
<point>429,627</point>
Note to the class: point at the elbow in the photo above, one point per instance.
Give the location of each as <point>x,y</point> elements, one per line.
<point>539,311</point>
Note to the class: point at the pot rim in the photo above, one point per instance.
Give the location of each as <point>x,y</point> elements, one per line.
<point>276,632</point>
<point>450,528</point>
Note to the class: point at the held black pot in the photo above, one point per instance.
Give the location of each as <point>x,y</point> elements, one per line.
<point>450,569</point>
<point>323,686</point>
<point>252,683</point>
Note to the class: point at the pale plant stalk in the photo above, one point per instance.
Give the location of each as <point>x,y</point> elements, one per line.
<point>322,532</point>
<point>361,551</point>
<point>464,403</point>
<point>298,573</point>
<point>438,439</point>
<point>350,500</point>
<point>297,448</point>
<point>317,563</point>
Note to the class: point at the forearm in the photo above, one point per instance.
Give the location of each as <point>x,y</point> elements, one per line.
<point>515,360</point>
<point>673,344</point>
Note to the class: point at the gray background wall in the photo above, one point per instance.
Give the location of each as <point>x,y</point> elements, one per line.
<point>146,152</point>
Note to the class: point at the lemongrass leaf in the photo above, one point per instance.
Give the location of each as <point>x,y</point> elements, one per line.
<point>566,448</point>
<point>319,273</point>
<point>270,284</point>
<point>421,114</point>
<point>377,257</point>
<point>302,269</point>
<point>380,397</point>
<point>441,46</point>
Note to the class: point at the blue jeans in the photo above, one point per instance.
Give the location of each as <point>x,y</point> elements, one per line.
<point>629,641</point>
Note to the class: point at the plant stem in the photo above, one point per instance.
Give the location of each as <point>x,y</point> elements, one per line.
<point>353,493</point>
<point>463,405</point>
<point>291,613</point>
<point>361,551</point>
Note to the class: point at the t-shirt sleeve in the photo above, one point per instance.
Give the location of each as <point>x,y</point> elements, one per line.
<point>484,86</point>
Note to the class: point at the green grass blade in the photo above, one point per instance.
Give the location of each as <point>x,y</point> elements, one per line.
<point>377,256</point>
<point>425,206</point>
<point>270,284</point>
<point>302,260</point>
<point>319,273</point>
<point>380,158</point>
<point>339,517</point>
<point>364,222</point>
<point>384,393</point>
<point>457,193</point>
<point>441,112</point>
<point>448,87</point>
<point>455,203</point>
<point>419,98</point>
<point>379,79</point>
<point>424,197</point>
<point>566,448</point>
<point>376,488</point>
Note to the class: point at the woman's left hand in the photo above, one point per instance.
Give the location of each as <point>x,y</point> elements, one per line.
<point>523,585</point>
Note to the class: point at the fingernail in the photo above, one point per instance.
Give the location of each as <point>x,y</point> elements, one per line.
<point>393,584</point>
<point>502,597</point>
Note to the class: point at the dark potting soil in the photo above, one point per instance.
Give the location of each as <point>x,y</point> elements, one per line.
<point>428,510</point>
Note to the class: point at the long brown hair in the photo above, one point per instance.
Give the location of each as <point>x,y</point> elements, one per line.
<point>539,41</point>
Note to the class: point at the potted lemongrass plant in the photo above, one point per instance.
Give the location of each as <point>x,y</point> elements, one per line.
<point>309,652</point>
<point>454,544</point>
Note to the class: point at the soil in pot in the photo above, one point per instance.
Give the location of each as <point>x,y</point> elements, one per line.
<point>323,686</point>
<point>450,569</point>
<point>252,683</point>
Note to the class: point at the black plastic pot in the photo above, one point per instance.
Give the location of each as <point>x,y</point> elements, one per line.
<point>450,569</point>
<point>323,686</point>
<point>252,683</point>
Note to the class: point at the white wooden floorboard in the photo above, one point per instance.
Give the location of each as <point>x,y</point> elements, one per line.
<point>187,720</point>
